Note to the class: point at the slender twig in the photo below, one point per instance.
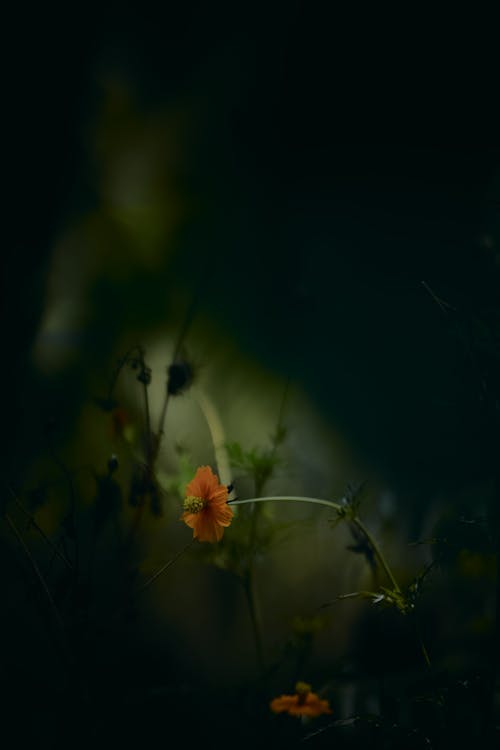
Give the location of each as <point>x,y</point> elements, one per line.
<point>250,587</point>
<point>292,498</point>
<point>188,319</point>
<point>468,346</point>
<point>151,580</point>
<point>147,413</point>
<point>72,497</point>
<point>161,421</point>
<point>377,551</point>
<point>445,306</point>
<point>217,435</point>
<point>489,395</point>
<point>150,452</point>
<point>253,608</point>
<point>121,364</point>
<point>163,568</point>
<point>36,526</point>
<point>249,580</point>
<point>39,576</point>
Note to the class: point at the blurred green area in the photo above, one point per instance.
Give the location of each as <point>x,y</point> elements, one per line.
<point>193,190</point>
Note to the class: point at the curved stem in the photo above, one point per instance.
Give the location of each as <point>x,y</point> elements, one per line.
<point>377,551</point>
<point>293,498</point>
<point>339,508</point>
<point>217,435</point>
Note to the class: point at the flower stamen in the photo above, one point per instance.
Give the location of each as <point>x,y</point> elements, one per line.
<point>194,504</point>
<point>302,689</point>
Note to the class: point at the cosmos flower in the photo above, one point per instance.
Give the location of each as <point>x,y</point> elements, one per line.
<point>205,508</point>
<point>302,703</point>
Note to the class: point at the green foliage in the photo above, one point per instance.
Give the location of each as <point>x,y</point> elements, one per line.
<point>350,504</point>
<point>464,547</point>
<point>404,601</point>
<point>174,484</point>
<point>258,463</point>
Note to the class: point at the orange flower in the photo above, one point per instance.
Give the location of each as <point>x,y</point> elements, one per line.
<point>205,508</point>
<point>303,703</point>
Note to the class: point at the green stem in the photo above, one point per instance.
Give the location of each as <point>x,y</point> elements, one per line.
<point>161,422</point>
<point>151,580</point>
<point>72,511</point>
<point>249,586</point>
<point>149,456</point>
<point>250,589</point>
<point>35,525</point>
<point>337,507</point>
<point>147,416</point>
<point>163,568</point>
<point>378,552</point>
<point>423,649</point>
<point>43,585</point>
<point>217,435</point>
<point>294,498</point>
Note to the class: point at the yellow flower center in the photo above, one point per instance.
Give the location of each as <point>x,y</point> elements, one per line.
<point>194,504</point>
<point>302,689</point>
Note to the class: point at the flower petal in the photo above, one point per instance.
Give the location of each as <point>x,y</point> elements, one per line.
<point>207,528</point>
<point>189,519</point>
<point>203,483</point>
<point>223,514</point>
<point>283,703</point>
<point>219,495</point>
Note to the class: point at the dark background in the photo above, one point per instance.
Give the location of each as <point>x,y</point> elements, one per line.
<point>339,168</point>
<point>338,163</point>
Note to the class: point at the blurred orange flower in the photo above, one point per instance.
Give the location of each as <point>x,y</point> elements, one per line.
<point>205,508</point>
<point>303,703</point>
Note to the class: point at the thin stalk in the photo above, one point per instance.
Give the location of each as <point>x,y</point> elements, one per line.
<point>119,367</point>
<point>163,568</point>
<point>35,525</point>
<point>41,581</point>
<point>72,497</point>
<point>293,498</point>
<point>147,417</point>
<point>188,319</point>
<point>425,653</point>
<point>421,643</point>
<point>249,587</point>
<point>149,454</point>
<point>161,422</point>
<point>217,435</point>
<point>339,508</point>
<point>151,580</point>
<point>378,552</point>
